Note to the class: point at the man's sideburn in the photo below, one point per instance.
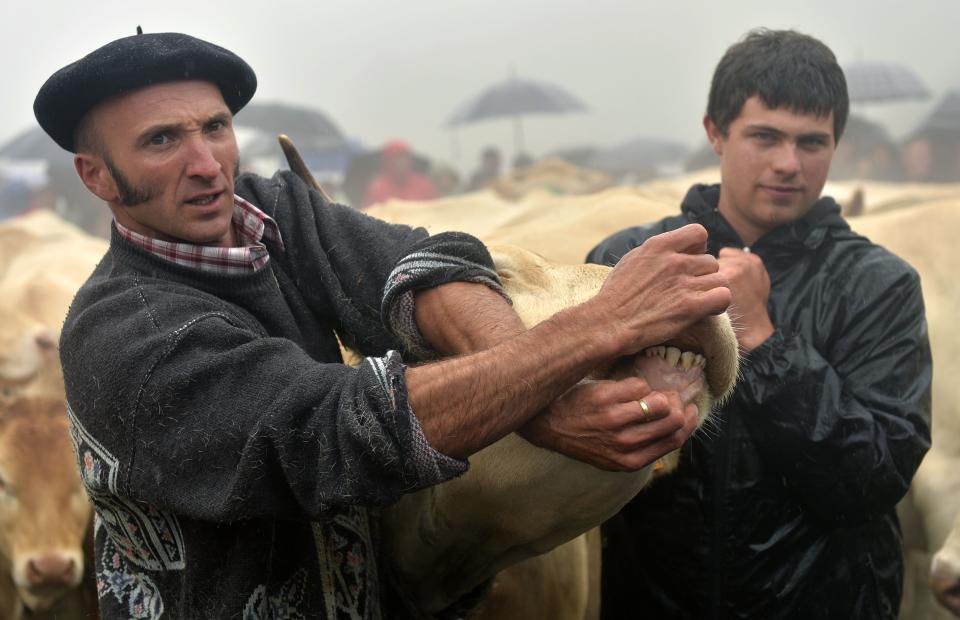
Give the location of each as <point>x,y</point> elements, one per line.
<point>131,195</point>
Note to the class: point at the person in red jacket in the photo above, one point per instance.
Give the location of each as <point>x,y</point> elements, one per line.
<point>397,178</point>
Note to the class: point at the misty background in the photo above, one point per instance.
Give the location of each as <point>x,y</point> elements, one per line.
<point>383,70</point>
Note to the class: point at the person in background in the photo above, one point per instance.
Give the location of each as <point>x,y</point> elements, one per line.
<point>931,155</point>
<point>865,153</point>
<point>397,178</point>
<point>489,170</point>
<point>445,179</point>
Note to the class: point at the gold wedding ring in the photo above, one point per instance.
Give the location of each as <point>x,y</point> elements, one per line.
<point>645,408</point>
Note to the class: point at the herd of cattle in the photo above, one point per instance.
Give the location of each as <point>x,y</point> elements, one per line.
<point>522,516</point>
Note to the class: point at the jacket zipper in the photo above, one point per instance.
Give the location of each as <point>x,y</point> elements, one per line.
<point>717,598</point>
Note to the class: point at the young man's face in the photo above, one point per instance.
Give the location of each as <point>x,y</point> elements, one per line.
<point>168,162</point>
<point>773,165</point>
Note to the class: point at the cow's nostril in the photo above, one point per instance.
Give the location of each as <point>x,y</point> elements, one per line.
<point>51,569</point>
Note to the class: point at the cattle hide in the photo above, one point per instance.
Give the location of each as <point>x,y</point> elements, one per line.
<point>518,501</point>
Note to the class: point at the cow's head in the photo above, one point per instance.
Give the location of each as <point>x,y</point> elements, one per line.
<point>701,363</point>
<point>44,511</point>
<point>517,500</point>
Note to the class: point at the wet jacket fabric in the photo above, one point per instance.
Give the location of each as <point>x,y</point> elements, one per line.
<point>784,507</point>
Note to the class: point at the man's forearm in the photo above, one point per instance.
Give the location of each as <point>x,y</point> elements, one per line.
<point>468,402</point>
<point>464,317</point>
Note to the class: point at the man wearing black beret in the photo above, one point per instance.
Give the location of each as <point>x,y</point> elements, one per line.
<point>232,459</point>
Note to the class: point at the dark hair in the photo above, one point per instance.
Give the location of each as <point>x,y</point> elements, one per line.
<point>784,68</point>
<point>86,137</point>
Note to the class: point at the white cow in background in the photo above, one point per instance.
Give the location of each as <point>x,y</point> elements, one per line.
<point>44,512</point>
<point>925,236</point>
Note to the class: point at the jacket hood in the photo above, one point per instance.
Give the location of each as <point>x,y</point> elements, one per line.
<point>807,233</point>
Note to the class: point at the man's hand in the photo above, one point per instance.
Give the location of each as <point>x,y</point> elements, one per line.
<point>660,288</point>
<point>750,286</point>
<point>603,424</point>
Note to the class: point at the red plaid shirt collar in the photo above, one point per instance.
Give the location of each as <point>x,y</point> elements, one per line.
<point>252,226</point>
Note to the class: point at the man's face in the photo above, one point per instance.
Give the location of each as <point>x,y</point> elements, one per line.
<point>773,165</point>
<point>169,160</point>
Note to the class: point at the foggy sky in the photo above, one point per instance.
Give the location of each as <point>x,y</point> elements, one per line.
<point>399,69</point>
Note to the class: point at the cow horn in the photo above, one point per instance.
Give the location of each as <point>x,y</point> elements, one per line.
<point>298,166</point>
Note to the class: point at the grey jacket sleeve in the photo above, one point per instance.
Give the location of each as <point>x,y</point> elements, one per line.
<point>246,426</point>
<point>367,267</point>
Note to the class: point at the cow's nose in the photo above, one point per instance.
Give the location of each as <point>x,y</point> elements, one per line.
<point>50,569</point>
<point>945,584</point>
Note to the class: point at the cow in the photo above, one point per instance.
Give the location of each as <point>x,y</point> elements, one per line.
<point>518,501</point>
<point>520,520</point>
<point>43,261</point>
<point>924,235</point>
<point>44,511</point>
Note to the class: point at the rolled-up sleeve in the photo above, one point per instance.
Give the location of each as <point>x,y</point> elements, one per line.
<point>443,258</point>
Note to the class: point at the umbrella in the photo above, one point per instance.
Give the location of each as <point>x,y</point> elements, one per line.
<point>880,82</point>
<point>306,125</point>
<point>321,143</point>
<point>642,155</point>
<point>319,155</point>
<point>515,97</point>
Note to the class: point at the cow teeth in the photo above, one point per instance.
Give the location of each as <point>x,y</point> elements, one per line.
<point>699,361</point>
<point>673,355</point>
<point>686,360</point>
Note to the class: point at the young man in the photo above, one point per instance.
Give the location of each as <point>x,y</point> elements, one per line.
<point>787,509</point>
<point>231,457</point>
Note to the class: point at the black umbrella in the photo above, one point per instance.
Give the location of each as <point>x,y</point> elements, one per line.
<point>882,81</point>
<point>514,98</point>
<point>319,155</point>
<point>309,127</point>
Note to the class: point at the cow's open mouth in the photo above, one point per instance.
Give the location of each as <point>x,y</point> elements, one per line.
<point>676,357</point>
<point>670,369</point>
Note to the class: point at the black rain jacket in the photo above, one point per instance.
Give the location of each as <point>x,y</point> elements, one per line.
<point>785,506</point>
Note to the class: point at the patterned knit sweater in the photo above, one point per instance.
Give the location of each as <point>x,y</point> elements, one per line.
<point>235,465</point>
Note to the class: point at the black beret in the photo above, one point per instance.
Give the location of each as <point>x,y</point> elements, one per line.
<point>131,63</point>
